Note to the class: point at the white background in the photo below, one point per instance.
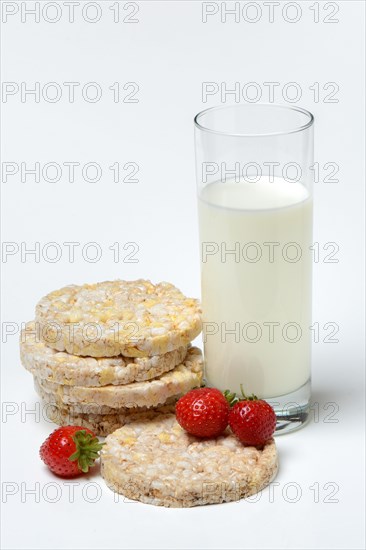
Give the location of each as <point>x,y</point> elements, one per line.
<point>169,53</point>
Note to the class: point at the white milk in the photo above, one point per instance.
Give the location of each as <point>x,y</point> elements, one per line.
<point>257,300</point>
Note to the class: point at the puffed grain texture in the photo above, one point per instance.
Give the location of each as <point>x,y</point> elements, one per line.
<point>50,399</point>
<point>152,393</point>
<point>103,424</point>
<point>130,318</point>
<point>158,463</point>
<point>72,370</point>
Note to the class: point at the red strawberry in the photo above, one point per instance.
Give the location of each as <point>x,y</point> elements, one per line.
<point>70,450</point>
<point>203,412</point>
<point>252,420</point>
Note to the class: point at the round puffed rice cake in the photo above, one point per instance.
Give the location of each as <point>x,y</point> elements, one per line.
<point>131,318</point>
<point>53,399</point>
<point>152,393</point>
<point>157,462</point>
<point>102,424</point>
<point>73,370</point>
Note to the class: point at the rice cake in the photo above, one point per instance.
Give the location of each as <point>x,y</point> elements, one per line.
<point>157,462</point>
<point>130,318</point>
<point>181,379</point>
<point>72,370</point>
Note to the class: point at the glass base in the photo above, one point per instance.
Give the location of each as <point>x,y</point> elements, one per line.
<point>292,410</point>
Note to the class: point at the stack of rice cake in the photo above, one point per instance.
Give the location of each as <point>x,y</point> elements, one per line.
<point>105,354</point>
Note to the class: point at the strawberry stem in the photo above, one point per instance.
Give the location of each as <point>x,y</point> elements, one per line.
<point>87,450</point>
<point>232,398</point>
<point>245,397</point>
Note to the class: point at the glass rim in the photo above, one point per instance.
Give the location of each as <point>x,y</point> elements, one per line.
<point>301,128</point>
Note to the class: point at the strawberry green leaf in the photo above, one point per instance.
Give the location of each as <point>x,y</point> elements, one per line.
<point>87,450</point>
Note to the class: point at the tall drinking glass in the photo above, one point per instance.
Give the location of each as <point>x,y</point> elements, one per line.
<point>254,181</point>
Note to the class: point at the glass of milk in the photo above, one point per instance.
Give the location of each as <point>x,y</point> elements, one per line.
<point>254,180</point>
